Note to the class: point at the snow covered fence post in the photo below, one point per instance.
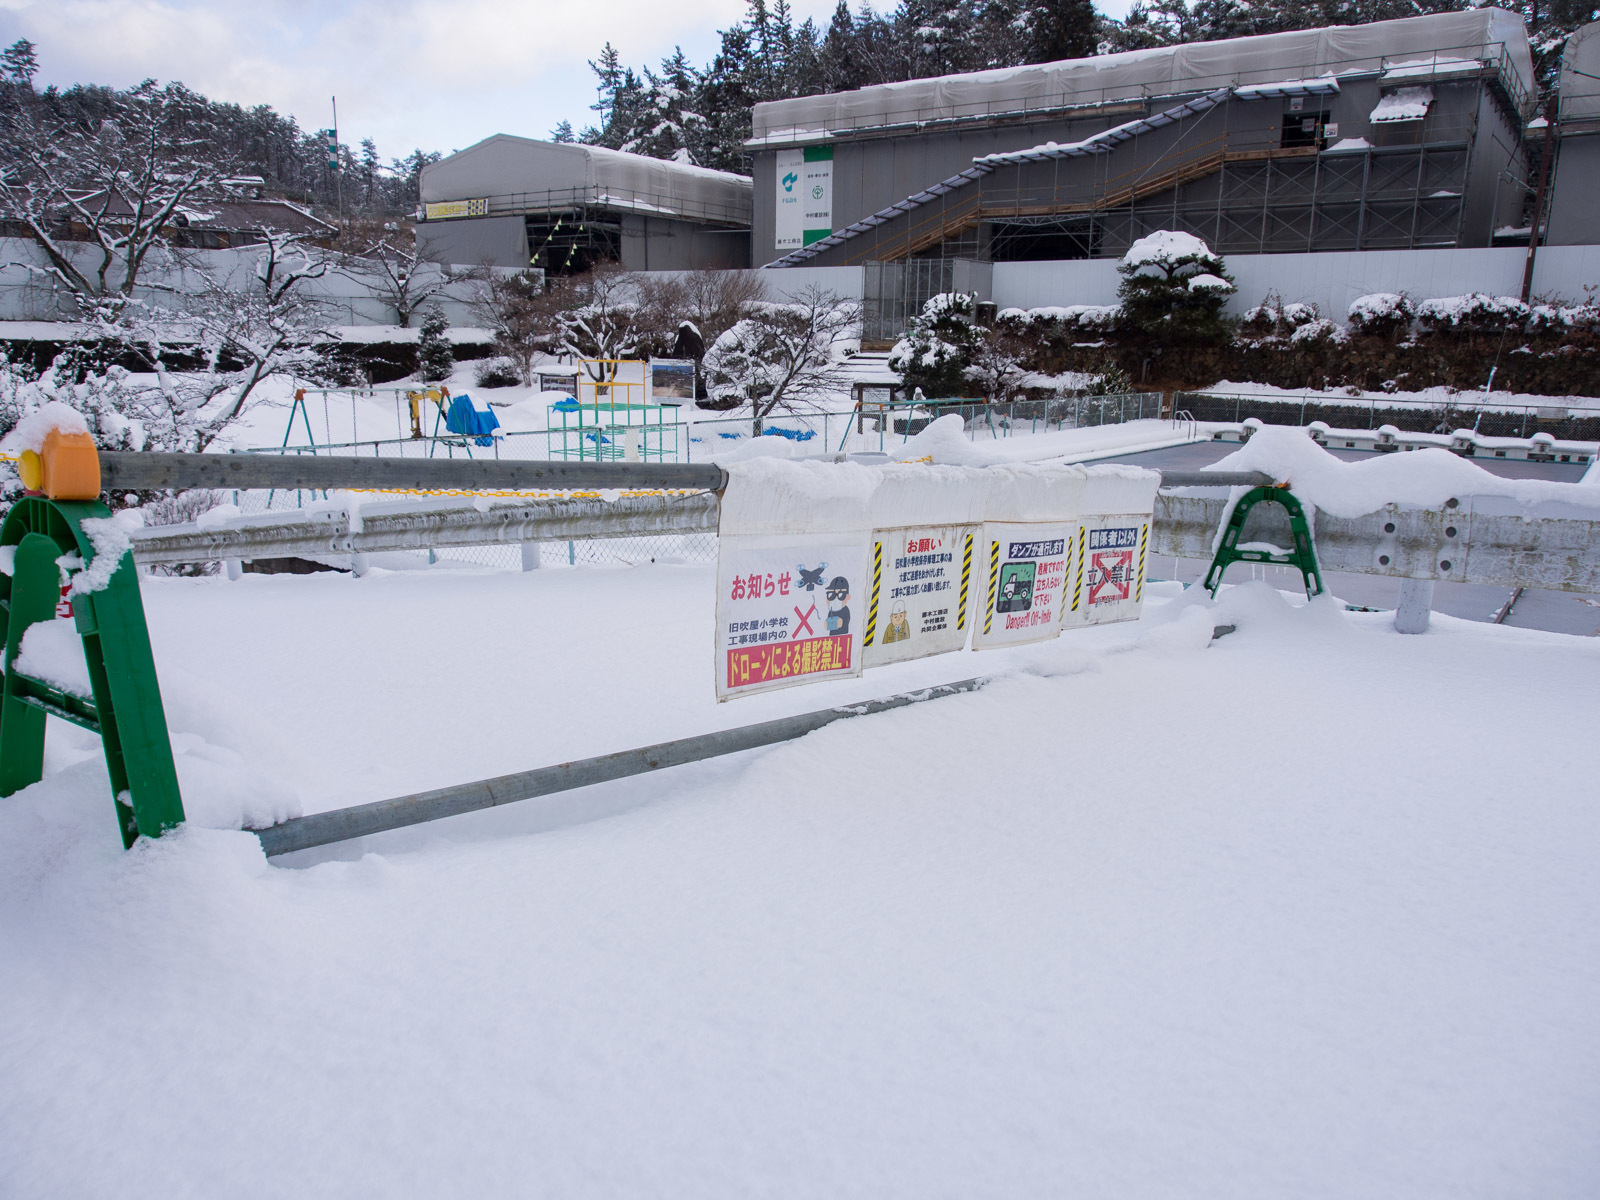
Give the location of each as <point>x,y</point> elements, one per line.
<point>1414,606</point>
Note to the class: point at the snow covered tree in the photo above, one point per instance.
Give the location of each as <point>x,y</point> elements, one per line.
<point>524,310</point>
<point>938,346</point>
<point>123,182</point>
<point>1000,358</point>
<point>435,358</point>
<point>784,357</point>
<point>599,320</point>
<point>1173,291</point>
<point>395,270</point>
<point>563,133</point>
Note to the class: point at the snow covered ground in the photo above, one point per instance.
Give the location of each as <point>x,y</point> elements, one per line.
<point>1309,910</point>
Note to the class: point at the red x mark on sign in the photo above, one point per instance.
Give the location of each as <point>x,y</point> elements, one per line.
<point>805,621</point>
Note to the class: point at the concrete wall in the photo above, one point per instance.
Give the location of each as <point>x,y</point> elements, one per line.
<point>1328,280</point>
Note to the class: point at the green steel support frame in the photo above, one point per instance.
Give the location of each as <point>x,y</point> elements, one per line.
<point>1303,555</point>
<point>124,706</point>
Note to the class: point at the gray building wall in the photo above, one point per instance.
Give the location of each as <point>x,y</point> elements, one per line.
<point>1575,194</point>
<point>471,241</point>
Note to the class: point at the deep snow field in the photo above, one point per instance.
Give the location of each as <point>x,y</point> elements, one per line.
<point>1309,910</point>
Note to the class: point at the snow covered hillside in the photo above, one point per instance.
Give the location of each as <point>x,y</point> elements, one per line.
<point>1309,910</point>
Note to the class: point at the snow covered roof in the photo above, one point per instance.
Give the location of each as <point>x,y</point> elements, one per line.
<point>518,173</point>
<point>1421,44</point>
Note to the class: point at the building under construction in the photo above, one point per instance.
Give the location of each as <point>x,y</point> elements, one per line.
<point>1393,135</point>
<point>562,207</point>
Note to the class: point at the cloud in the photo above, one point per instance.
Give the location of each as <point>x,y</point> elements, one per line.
<point>439,74</point>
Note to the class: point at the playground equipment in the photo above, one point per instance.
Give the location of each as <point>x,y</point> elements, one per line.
<point>612,418</point>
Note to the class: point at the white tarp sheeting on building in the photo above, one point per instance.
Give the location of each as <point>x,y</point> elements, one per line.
<point>1173,70</point>
<point>1580,75</point>
<point>517,173</point>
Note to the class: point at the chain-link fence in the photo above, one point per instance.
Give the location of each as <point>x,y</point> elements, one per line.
<point>1488,420</point>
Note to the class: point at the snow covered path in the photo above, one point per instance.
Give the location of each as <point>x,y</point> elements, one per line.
<point>1313,910</point>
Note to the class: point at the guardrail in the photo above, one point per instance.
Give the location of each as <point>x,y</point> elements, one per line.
<point>1470,539</point>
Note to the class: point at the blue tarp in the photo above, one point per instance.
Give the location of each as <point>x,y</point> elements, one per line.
<point>794,435</point>
<point>464,418</point>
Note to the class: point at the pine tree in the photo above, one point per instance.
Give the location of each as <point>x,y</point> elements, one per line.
<point>368,171</point>
<point>435,358</point>
<point>1062,29</point>
<point>563,133</point>
<point>20,62</point>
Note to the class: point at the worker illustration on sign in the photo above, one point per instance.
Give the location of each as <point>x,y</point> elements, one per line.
<point>838,593</point>
<point>899,629</point>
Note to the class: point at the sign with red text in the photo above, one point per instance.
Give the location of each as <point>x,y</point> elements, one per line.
<point>918,598</point>
<point>1024,572</point>
<point>1108,568</point>
<point>788,613</point>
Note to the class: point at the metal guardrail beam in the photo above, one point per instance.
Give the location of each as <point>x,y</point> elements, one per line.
<point>419,525</point>
<point>121,471</point>
<point>330,530</point>
<point>1472,539</point>
<point>318,829</point>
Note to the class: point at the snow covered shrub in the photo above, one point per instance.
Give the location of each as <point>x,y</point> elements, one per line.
<point>938,346</point>
<point>496,373</point>
<point>1385,315</point>
<point>435,358</point>
<point>1476,312</point>
<point>1318,331</point>
<point>1174,289</point>
<point>1272,320</point>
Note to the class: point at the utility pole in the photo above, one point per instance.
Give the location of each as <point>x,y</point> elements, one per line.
<point>1540,195</point>
<point>333,161</point>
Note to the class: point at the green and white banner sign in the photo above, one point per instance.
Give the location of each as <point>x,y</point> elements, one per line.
<point>804,190</point>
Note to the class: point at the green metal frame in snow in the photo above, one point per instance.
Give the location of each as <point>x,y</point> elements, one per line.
<point>1302,556</point>
<point>124,705</point>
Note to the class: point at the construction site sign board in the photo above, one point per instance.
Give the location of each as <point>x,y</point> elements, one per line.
<point>1024,567</point>
<point>804,196</point>
<point>1108,566</point>
<point>789,611</point>
<point>919,595</point>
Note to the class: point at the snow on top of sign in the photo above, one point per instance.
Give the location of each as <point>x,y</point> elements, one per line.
<point>37,425</point>
<point>1424,478</point>
<point>1115,488</point>
<point>1034,492</point>
<point>924,494</point>
<point>779,496</point>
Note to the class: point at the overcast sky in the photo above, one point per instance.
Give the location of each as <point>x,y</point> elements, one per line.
<point>439,74</point>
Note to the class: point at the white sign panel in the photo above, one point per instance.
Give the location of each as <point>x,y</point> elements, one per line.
<point>789,610</point>
<point>919,597</point>
<point>1025,576</point>
<point>1108,569</point>
<point>804,194</point>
